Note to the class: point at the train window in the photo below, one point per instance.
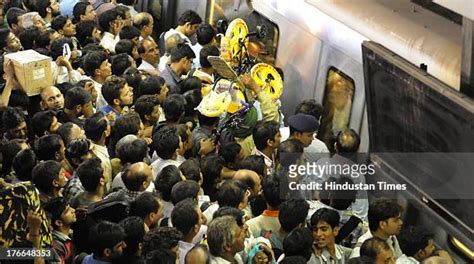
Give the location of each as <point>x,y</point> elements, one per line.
<point>337,105</point>
<point>263,49</point>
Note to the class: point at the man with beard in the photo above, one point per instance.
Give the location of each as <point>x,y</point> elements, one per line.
<point>48,10</point>
<point>14,123</point>
<point>325,225</point>
<point>15,20</point>
<point>9,42</point>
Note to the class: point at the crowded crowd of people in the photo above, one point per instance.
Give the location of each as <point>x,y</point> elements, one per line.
<point>129,158</point>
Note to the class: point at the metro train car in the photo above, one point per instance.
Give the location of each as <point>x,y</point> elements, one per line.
<point>388,69</point>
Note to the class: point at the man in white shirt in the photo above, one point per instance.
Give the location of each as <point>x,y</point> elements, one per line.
<point>188,23</point>
<point>187,218</point>
<point>325,225</point>
<point>62,66</point>
<point>166,142</point>
<point>346,146</point>
<point>170,44</point>
<point>385,223</point>
<point>303,128</point>
<point>342,202</point>
<point>225,239</point>
<point>205,72</point>
<point>206,36</point>
<point>97,129</point>
<point>150,55</point>
<point>377,251</point>
<point>268,223</point>
<point>267,138</point>
<point>309,107</point>
<point>418,246</point>
<point>97,68</point>
<point>111,23</point>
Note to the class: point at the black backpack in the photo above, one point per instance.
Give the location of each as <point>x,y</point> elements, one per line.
<point>347,228</point>
<point>113,209</point>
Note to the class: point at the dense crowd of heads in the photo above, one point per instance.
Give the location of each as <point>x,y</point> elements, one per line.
<point>121,164</point>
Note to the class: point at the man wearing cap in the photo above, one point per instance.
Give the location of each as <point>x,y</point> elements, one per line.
<point>302,128</point>
<point>62,217</point>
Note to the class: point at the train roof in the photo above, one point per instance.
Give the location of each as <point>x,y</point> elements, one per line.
<point>414,33</point>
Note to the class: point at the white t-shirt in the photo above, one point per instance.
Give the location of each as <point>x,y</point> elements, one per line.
<point>317,146</point>
<point>172,31</point>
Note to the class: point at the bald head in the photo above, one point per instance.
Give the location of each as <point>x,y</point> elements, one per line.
<point>197,255</point>
<point>171,42</point>
<point>144,22</point>
<point>142,19</point>
<point>137,177</point>
<point>251,179</point>
<point>436,260</point>
<point>377,249</point>
<point>51,98</point>
<point>347,141</point>
<point>149,51</point>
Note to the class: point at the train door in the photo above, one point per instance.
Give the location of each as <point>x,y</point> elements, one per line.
<point>340,89</point>
<point>337,105</point>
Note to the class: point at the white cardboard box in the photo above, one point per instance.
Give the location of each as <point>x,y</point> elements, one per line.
<point>32,70</point>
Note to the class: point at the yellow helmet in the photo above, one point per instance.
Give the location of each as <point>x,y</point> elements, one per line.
<point>214,104</point>
<point>269,79</point>
<point>237,99</point>
<point>236,94</point>
<point>230,44</point>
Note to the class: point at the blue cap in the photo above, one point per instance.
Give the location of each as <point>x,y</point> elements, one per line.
<point>303,123</point>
